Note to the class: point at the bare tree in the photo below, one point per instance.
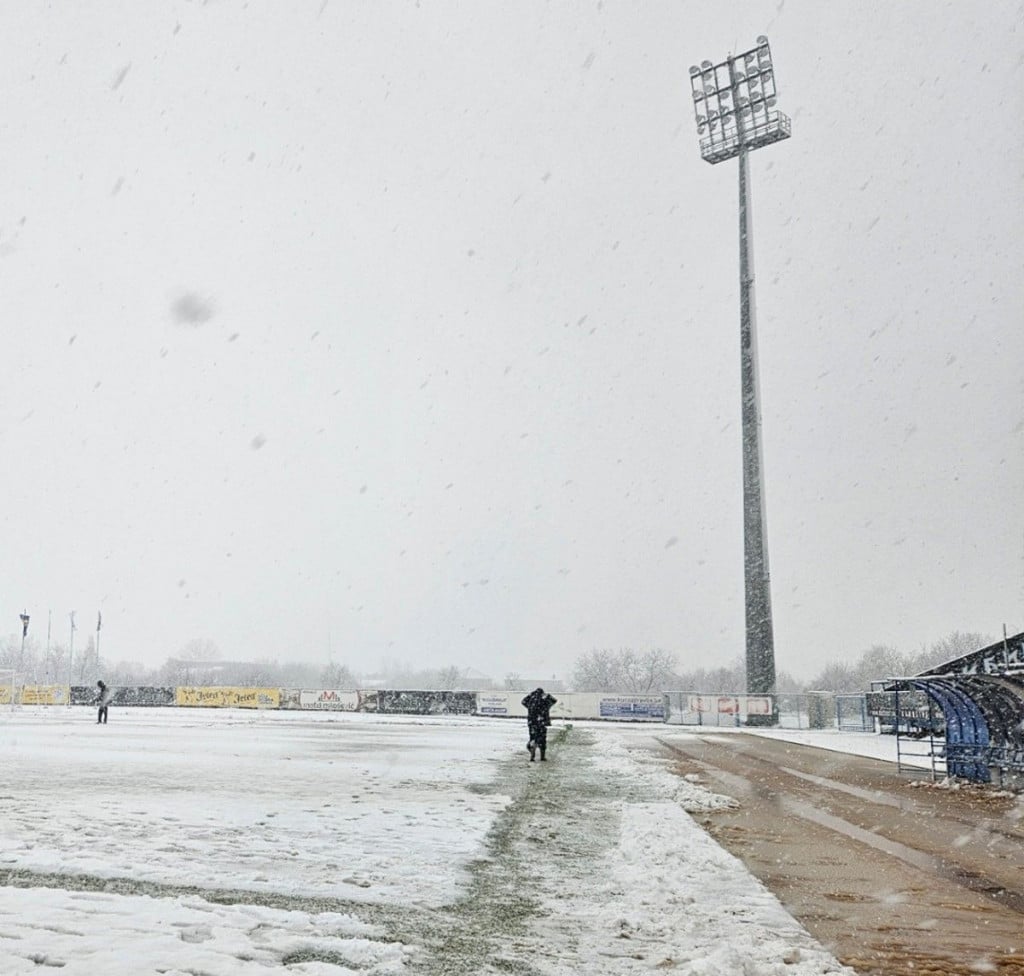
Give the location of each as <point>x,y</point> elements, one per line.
<point>85,666</point>
<point>624,670</point>
<point>199,649</point>
<point>598,670</point>
<point>883,661</point>
<point>731,678</point>
<point>129,674</point>
<point>449,678</point>
<point>337,676</point>
<point>654,671</point>
<point>592,671</point>
<point>786,684</point>
<point>55,665</point>
<point>838,677</point>
<point>955,645</point>
<point>255,674</point>
<point>24,656</point>
<point>880,661</point>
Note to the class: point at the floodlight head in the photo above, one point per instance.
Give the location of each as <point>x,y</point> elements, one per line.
<point>734,99</point>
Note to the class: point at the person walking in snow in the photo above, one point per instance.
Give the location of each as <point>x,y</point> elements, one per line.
<point>538,718</point>
<point>103,697</point>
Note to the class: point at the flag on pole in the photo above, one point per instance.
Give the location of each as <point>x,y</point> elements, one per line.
<point>99,620</point>
<point>24,624</point>
<point>73,627</point>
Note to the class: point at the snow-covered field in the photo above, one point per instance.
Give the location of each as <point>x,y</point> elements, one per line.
<point>223,843</point>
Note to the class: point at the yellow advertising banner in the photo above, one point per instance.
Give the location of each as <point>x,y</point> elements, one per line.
<point>44,695</point>
<point>228,697</point>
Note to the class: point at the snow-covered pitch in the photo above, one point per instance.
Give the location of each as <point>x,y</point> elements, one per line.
<point>234,843</point>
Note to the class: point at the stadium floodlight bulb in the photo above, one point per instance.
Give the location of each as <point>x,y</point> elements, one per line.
<point>734,102</point>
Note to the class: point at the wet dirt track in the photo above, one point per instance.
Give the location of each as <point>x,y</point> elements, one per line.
<point>894,879</point>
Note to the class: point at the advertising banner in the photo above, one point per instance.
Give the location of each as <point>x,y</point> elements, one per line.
<point>913,704</point>
<point>419,702</point>
<point>577,705</point>
<point>634,708</point>
<point>730,704</point>
<point>228,697</point>
<point>758,705</point>
<point>502,703</point>
<point>44,695</point>
<point>332,700</point>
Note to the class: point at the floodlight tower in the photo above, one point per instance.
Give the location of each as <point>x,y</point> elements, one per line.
<point>734,101</point>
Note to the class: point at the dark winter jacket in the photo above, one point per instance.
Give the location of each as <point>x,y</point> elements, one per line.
<point>538,707</point>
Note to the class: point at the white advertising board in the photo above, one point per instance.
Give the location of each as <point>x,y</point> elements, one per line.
<point>329,699</point>
<point>500,703</point>
<point>578,705</point>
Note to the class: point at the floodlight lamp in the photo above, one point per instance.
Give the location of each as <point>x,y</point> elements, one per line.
<point>732,101</point>
<point>694,70</point>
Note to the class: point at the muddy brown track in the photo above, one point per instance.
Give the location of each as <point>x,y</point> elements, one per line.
<point>894,879</point>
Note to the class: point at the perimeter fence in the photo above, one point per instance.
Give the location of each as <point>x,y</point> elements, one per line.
<point>813,710</point>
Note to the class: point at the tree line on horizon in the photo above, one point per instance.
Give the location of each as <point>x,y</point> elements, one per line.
<point>622,671</point>
<point>656,670</point>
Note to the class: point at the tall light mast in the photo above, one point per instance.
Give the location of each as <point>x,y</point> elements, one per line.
<point>734,102</point>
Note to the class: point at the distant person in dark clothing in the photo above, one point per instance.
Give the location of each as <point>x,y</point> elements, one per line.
<point>538,718</point>
<point>103,697</point>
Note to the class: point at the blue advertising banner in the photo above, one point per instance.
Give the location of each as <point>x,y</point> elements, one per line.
<point>633,707</point>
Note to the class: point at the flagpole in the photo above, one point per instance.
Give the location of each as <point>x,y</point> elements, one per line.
<point>24,634</point>
<point>99,623</point>
<point>71,657</point>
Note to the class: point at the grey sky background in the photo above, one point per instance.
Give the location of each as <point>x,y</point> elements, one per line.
<point>410,331</point>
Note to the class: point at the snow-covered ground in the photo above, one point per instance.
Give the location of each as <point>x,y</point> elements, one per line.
<point>229,843</point>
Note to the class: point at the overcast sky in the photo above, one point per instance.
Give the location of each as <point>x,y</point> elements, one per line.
<point>410,331</point>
